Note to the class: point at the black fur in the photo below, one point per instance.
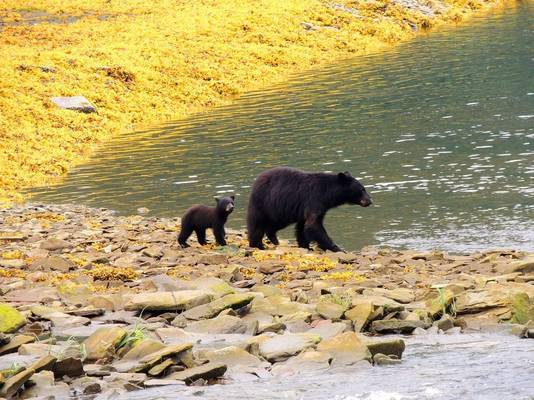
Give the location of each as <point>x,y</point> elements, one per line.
<point>198,218</point>
<point>284,196</point>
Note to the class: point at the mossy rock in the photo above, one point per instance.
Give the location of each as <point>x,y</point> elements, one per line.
<point>10,319</point>
<point>522,308</point>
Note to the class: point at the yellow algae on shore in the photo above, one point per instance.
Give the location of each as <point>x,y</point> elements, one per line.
<point>143,62</point>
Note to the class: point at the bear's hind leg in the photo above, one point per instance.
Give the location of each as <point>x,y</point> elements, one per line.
<point>302,239</point>
<point>201,236</point>
<point>255,237</point>
<point>185,232</point>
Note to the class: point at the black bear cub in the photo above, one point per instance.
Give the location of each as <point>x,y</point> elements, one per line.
<point>284,196</point>
<point>198,218</point>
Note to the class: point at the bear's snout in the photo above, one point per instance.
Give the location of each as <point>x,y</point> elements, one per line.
<point>229,207</point>
<point>366,201</point>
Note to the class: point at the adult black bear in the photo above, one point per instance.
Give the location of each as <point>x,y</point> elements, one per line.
<point>198,218</point>
<point>282,196</point>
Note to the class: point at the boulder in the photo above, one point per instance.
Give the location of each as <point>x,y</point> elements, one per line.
<point>168,301</point>
<point>221,324</point>
<point>359,315</point>
<point>54,244</point>
<point>15,343</point>
<point>14,383</point>
<point>330,310</point>
<point>69,366</point>
<point>346,349</point>
<point>102,342</point>
<point>74,103</point>
<point>396,326</point>
<point>281,347</point>
<point>150,360</point>
<point>279,306</point>
<point>327,329</point>
<point>210,310</point>
<point>10,319</point>
<point>207,371</point>
<point>393,347</point>
<point>305,362</point>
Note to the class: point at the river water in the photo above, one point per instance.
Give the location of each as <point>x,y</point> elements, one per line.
<point>440,130</point>
<point>434,367</point>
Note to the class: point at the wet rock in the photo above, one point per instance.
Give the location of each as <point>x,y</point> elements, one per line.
<point>168,301</point>
<point>150,360</point>
<point>207,371</point>
<point>102,342</point>
<point>163,382</point>
<point>13,384</point>
<point>393,347</point>
<point>522,308</point>
<point>69,366</point>
<point>10,319</point>
<point>234,356</point>
<point>382,359</point>
<point>328,329</point>
<point>445,323</point>
<point>306,362</point>
<point>281,347</point>
<point>54,244</point>
<point>396,326</point>
<point>221,324</point>
<point>346,349</point>
<point>74,103</point>
<point>15,343</point>
<point>359,315</point>
<point>210,310</point>
<point>475,301</point>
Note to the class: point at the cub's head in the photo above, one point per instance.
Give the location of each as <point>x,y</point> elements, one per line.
<point>353,190</point>
<point>225,204</point>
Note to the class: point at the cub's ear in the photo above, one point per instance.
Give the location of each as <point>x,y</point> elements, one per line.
<point>232,197</point>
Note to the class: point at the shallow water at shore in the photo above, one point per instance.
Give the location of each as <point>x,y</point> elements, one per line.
<point>438,367</point>
<point>439,129</point>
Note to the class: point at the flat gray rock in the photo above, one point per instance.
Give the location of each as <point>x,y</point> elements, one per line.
<point>75,103</point>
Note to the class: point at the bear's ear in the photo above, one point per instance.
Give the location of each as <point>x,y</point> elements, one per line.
<point>232,197</point>
<point>217,199</point>
<point>344,176</point>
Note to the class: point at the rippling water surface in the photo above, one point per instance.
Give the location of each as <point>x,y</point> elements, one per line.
<point>441,131</point>
<point>434,367</point>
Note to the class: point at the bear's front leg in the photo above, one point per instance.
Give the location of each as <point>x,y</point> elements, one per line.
<point>314,230</point>
<point>220,234</point>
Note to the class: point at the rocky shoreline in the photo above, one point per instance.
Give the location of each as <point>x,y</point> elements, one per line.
<point>92,303</point>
